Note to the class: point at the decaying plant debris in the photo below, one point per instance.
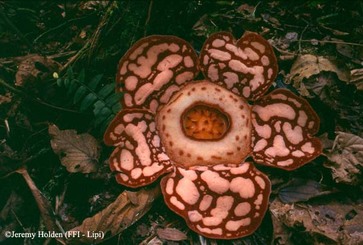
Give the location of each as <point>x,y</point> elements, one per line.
<point>57,66</point>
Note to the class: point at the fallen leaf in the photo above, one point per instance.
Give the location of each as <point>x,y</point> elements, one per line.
<point>307,66</point>
<point>353,52</point>
<point>171,234</point>
<point>154,241</point>
<point>34,68</point>
<point>331,223</point>
<point>281,234</point>
<point>78,152</point>
<point>120,214</point>
<point>357,78</point>
<point>6,98</point>
<point>93,5</point>
<point>346,158</point>
<point>325,141</point>
<point>299,190</point>
<point>341,97</point>
<point>246,9</point>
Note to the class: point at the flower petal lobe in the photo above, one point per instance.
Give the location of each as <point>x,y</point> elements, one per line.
<point>219,202</point>
<point>283,129</point>
<point>247,67</point>
<point>139,157</point>
<point>153,69</point>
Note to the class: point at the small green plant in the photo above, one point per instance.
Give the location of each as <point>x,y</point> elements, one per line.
<point>102,99</point>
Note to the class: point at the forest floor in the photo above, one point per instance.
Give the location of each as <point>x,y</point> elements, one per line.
<point>58,62</point>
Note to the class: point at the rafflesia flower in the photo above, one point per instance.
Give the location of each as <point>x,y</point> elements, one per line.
<point>201,132</point>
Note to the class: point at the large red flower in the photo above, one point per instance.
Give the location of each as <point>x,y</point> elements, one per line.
<point>202,131</point>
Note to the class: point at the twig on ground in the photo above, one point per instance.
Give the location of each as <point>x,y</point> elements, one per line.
<point>45,208</point>
<point>25,95</point>
<point>148,16</point>
<point>331,41</point>
<point>90,46</point>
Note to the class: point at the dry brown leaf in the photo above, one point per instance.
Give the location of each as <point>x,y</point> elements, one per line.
<point>357,78</point>
<point>78,152</point>
<point>120,214</point>
<point>93,5</point>
<point>281,234</point>
<point>309,65</point>
<point>171,234</point>
<point>346,158</point>
<point>300,190</point>
<point>353,52</point>
<point>35,67</point>
<point>6,98</point>
<point>336,223</point>
<point>155,241</point>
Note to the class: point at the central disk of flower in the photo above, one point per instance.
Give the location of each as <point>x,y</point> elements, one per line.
<point>203,122</point>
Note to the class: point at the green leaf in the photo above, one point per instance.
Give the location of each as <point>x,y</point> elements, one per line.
<point>103,126</point>
<point>88,101</point>
<point>106,90</point>
<point>98,106</point>
<point>80,93</point>
<point>104,100</point>
<point>102,115</point>
<point>95,81</point>
<point>70,72</point>
<point>81,76</point>
<point>116,108</point>
<point>66,82</point>
<point>72,87</point>
<point>59,82</point>
<point>113,98</point>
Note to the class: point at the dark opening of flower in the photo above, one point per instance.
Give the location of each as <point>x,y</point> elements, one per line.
<point>202,131</point>
<point>205,122</point>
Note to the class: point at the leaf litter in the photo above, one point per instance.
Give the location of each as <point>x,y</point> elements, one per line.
<point>78,152</point>
<point>324,223</point>
<point>121,214</point>
<point>346,159</point>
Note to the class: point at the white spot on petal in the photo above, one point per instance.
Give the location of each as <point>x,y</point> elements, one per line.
<point>127,160</point>
<point>261,182</point>
<point>194,216</point>
<point>245,187</point>
<point>169,186</point>
<point>187,190</point>
<point>215,182</point>
<point>260,145</point>
<point>241,169</point>
<point>242,209</point>
<point>307,147</point>
<point>136,173</point>
<point>234,225</point>
<point>206,202</point>
<point>294,135</point>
